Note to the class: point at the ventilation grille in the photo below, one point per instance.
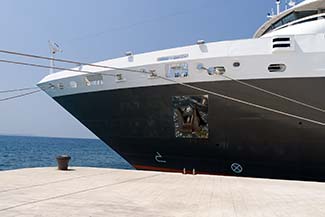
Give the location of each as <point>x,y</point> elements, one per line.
<point>284,43</point>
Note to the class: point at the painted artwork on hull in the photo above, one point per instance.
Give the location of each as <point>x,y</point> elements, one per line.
<point>191,116</point>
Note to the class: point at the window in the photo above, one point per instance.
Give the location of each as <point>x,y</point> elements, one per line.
<point>177,70</point>
<point>290,18</point>
<point>305,21</point>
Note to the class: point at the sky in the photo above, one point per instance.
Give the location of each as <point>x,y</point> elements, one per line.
<point>95,30</point>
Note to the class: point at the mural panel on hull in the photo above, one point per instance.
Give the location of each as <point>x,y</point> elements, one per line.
<point>191,116</point>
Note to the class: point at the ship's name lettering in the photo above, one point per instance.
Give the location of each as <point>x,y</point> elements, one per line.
<point>176,57</point>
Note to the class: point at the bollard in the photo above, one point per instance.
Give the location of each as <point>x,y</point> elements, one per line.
<point>63,162</point>
<point>184,171</point>
<point>193,172</point>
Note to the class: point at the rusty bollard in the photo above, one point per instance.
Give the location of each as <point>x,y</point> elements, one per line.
<point>63,162</point>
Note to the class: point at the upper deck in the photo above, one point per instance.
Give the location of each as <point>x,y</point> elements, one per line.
<point>303,13</point>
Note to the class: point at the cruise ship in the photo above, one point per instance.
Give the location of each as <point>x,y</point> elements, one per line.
<point>252,107</point>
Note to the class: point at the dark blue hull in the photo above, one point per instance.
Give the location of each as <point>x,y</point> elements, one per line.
<point>169,128</point>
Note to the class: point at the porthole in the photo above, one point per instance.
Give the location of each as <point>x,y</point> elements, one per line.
<point>277,68</point>
<point>236,64</point>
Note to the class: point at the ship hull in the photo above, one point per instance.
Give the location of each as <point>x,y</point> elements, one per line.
<point>231,138</point>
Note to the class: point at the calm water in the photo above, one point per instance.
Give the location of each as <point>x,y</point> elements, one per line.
<point>25,152</point>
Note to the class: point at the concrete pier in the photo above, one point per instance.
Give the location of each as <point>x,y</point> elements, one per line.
<point>108,192</point>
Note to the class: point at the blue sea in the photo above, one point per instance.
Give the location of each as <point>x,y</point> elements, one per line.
<point>26,152</point>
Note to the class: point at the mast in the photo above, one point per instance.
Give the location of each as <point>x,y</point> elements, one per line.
<point>54,48</point>
<point>278,7</point>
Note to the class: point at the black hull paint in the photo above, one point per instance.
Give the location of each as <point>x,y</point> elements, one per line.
<point>138,124</point>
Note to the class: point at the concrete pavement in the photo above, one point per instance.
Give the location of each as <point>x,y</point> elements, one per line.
<point>108,192</point>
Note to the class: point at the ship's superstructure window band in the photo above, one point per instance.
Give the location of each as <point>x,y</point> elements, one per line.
<point>177,70</point>
<point>290,18</point>
<point>277,68</point>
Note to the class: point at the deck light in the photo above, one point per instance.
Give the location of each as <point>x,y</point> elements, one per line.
<point>200,42</point>
<point>128,53</point>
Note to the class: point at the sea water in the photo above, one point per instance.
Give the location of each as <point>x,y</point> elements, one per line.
<point>26,152</point>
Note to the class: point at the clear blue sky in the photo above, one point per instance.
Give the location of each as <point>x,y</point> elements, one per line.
<point>94,30</point>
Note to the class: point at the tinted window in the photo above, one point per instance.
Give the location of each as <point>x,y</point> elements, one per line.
<point>290,18</point>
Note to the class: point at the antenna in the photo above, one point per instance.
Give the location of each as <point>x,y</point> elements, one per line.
<point>278,7</point>
<point>54,48</point>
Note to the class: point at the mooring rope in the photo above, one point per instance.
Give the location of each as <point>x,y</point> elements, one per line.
<point>18,90</point>
<point>248,103</point>
<point>20,95</point>
<point>274,94</point>
<point>139,71</point>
